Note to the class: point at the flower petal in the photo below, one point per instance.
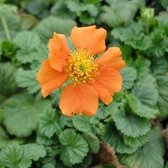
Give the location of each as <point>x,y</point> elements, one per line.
<point>107,83</point>
<point>90,38</point>
<point>104,94</point>
<point>112,57</point>
<point>58,51</point>
<point>49,78</point>
<point>79,99</point>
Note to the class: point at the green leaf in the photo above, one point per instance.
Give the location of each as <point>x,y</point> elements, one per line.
<point>21,156</point>
<point>74,147</point>
<point>82,123</point>
<point>159,65</point>
<point>161,18</point>
<point>162,83</point>
<point>159,43</point>
<point>27,79</point>
<point>37,7</point>
<point>7,81</point>
<point>116,15</point>
<point>27,40</point>
<point>113,137</point>
<point>48,124</point>
<point>93,141</point>
<point>133,35</point>
<point>148,156</point>
<point>27,21</point>
<point>129,76</point>
<point>43,140</point>
<point>65,121</point>
<point>105,111</point>
<point>136,142</point>
<point>24,56</point>
<point>32,152</point>
<point>11,156</point>
<point>131,125</point>
<point>8,49</point>
<point>146,90</point>
<point>12,19</point>
<point>86,12</point>
<point>5,141</point>
<point>166,166</point>
<point>140,109</point>
<point>21,114</point>
<point>77,6</point>
<point>142,66</point>
<point>48,26</point>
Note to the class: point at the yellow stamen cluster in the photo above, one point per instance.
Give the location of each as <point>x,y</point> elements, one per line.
<point>81,67</point>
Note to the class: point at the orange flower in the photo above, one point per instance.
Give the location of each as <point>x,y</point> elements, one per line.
<point>90,78</point>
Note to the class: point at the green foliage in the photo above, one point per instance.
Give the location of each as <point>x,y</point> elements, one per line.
<point>34,133</point>
<point>158,47</point>
<point>136,142</point>
<point>140,109</point>
<point>74,147</point>
<point>133,36</point>
<point>83,11</point>
<point>142,158</point>
<point>21,114</point>
<point>48,124</point>
<point>129,76</point>
<point>9,16</point>
<point>28,42</point>
<point>130,124</point>
<point>113,15</point>
<point>82,123</point>
<point>4,139</point>
<point>146,90</point>
<point>21,156</point>
<point>142,66</point>
<point>52,24</point>
<point>27,79</point>
<point>37,7</point>
<point>7,81</point>
<point>159,66</point>
<point>164,3</point>
<point>8,49</point>
<point>93,142</point>
<point>162,82</point>
<point>115,139</point>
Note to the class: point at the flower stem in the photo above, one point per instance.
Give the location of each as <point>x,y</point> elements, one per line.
<point>5,27</point>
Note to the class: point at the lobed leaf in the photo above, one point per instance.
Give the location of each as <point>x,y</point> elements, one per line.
<point>113,16</point>
<point>136,142</point>
<point>142,158</point>
<point>113,137</point>
<point>21,114</point>
<point>52,24</point>
<point>92,141</point>
<point>74,147</point>
<point>7,80</point>
<point>140,109</point>
<point>48,124</point>
<point>162,83</point>
<point>131,125</point>
<point>21,156</point>
<point>146,90</point>
<point>82,123</point>
<point>129,76</point>
<point>27,79</point>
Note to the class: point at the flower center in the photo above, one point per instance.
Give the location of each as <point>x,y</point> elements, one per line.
<point>81,67</point>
